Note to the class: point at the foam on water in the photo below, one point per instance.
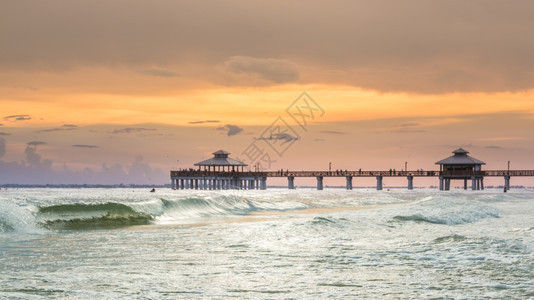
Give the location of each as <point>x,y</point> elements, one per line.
<point>274,244</point>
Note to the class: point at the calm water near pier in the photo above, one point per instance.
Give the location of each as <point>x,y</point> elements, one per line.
<point>272,244</point>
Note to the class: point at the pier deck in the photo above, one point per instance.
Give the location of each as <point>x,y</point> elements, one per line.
<point>200,179</point>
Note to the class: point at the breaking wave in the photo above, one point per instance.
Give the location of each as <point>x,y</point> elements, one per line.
<point>446,212</point>
<point>114,214</point>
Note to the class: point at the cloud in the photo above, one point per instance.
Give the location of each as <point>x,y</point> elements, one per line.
<point>275,70</point>
<point>438,46</point>
<point>85,146</point>
<point>284,137</point>
<point>62,128</point>
<point>409,124</point>
<point>333,132</point>
<point>407,130</point>
<point>34,159</point>
<point>18,118</point>
<point>493,147</point>
<point>231,130</point>
<point>202,122</point>
<point>1,124</point>
<point>2,147</point>
<point>35,143</point>
<point>159,73</point>
<point>4,133</point>
<point>132,130</point>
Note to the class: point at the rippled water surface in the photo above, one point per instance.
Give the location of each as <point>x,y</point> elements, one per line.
<point>273,244</point>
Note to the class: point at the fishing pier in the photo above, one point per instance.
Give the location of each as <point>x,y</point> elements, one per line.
<point>223,173</point>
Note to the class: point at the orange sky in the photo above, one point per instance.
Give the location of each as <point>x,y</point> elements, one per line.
<point>87,86</point>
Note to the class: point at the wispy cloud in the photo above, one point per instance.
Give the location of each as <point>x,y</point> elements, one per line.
<point>407,130</point>
<point>284,137</point>
<point>159,73</point>
<point>85,146</point>
<point>18,118</point>
<point>493,147</point>
<point>203,122</point>
<point>132,130</point>
<point>502,139</point>
<point>275,70</point>
<point>231,130</point>
<point>35,143</point>
<point>5,133</point>
<point>333,132</point>
<point>409,124</point>
<point>62,128</point>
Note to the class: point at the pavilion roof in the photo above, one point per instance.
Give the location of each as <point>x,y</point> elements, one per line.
<point>220,159</point>
<point>460,157</point>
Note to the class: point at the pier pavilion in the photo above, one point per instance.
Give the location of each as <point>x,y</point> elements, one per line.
<point>461,166</point>
<point>218,173</point>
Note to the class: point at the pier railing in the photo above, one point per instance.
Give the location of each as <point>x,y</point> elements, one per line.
<point>345,173</point>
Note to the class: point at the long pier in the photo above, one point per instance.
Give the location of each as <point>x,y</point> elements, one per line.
<point>215,180</point>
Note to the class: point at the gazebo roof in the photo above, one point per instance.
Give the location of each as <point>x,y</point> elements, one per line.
<point>220,159</point>
<point>460,157</point>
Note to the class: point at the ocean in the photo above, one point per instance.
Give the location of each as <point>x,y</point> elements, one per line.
<point>269,244</point>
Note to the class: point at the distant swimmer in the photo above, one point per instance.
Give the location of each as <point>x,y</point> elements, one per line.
<point>153,190</point>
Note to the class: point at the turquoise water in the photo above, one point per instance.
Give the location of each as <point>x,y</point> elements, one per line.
<point>273,244</point>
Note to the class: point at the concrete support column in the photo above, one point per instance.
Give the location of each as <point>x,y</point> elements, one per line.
<point>473,183</point>
<point>410,182</point>
<point>441,183</point>
<point>506,182</point>
<point>181,184</point>
<point>291,182</point>
<point>482,183</point>
<point>196,184</point>
<point>319,182</point>
<point>465,184</point>
<point>251,184</point>
<point>264,183</point>
<point>378,183</point>
<point>447,184</point>
<point>349,182</point>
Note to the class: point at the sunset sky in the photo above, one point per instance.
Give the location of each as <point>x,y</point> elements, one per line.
<point>124,91</point>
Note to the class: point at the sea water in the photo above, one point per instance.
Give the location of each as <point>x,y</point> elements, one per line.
<point>272,244</point>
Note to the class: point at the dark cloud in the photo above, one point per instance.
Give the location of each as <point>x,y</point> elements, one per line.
<point>62,128</point>
<point>4,133</point>
<point>275,70</point>
<point>85,146</point>
<point>413,45</point>
<point>333,132</point>
<point>35,143</point>
<point>231,130</point>
<point>2,147</point>
<point>132,130</point>
<point>18,118</point>
<point>202,122</point>
<point>284,137</point>
<point>159,73</point>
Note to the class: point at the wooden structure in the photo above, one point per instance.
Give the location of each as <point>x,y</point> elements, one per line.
<point>461,166</point>
<point>222,172</point>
